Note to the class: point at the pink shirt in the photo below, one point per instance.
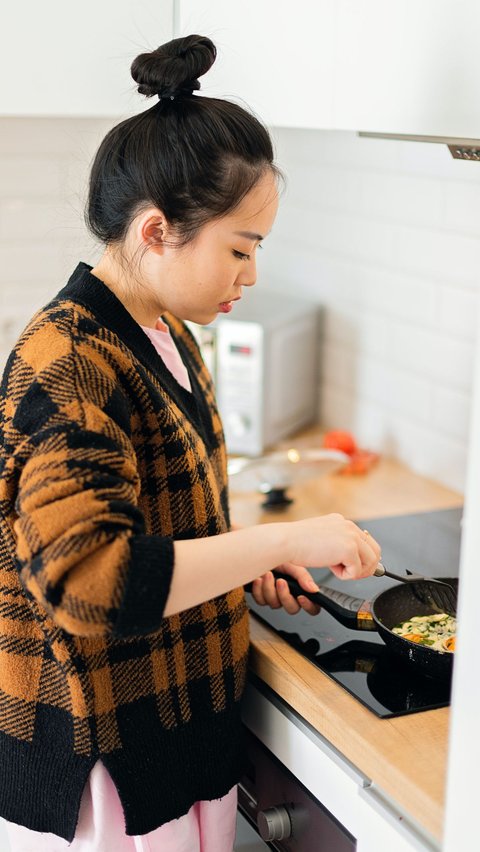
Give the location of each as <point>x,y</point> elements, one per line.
<point>207,827</point>
<point>163,342</point>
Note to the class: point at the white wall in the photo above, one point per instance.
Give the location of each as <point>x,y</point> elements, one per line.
<point>43,176</point>
<point>385,235</point>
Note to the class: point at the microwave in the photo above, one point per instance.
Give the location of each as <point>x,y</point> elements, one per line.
<point>263,358</point>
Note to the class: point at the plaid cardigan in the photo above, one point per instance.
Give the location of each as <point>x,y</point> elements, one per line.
<point>105,460</point>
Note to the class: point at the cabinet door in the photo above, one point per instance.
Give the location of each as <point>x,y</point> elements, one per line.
<point>63,58</point>
<point>274,56</point>
<point>408,66</point>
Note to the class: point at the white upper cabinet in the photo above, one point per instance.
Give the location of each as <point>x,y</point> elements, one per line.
<point>391,66</point>
<point>401,66</point>
<point>274,55</point>
<point>408,66</point>
<point>60,58</point>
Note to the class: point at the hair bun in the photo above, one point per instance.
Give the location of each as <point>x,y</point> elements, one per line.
<point>173,68</point>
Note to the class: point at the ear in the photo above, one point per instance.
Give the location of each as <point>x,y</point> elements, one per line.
<point>153,229</point>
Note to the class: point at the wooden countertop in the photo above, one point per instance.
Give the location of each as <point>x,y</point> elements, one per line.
<point>404,756</point>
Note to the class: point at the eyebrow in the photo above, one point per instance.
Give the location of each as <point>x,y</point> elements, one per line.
<point>249,235</point>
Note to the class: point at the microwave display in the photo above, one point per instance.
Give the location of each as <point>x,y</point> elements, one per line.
<point>238,349</point>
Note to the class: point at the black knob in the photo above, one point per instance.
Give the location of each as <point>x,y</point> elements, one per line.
<point>274,823</point>
<point>276,498</point>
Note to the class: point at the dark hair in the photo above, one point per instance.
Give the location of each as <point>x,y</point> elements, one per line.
<point>195,158</point>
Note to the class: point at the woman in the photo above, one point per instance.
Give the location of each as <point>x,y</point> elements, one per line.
<point>124,629</point>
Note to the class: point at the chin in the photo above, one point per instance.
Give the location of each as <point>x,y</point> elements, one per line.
<point>204,319</point>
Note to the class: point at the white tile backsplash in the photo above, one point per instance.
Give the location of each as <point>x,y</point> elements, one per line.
<point>385,235</point>
<point>335,233</point>
<point>393,256</point>
<point>402,198</point>
<point>433,355</point>
<point>428,451</point>
<point>36,220</point>
<point>397,295</point>
<point>73,138</point>
<point>44,166</point>
<point>462,206</point>
<point>356,329</point>
<point>41,175</point>
<point>441,254</point>
<point>456,311</point>
<point>451,413</point>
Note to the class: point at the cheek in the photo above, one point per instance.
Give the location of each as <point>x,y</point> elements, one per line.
<point>218,276</point>
<point>210,270</point>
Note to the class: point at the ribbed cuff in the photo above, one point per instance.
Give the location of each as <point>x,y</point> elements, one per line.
<point>147,587</point>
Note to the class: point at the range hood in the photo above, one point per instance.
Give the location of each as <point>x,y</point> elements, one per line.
<point>460,149</point>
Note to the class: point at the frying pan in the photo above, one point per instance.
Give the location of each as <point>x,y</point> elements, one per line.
<point>386,610</point>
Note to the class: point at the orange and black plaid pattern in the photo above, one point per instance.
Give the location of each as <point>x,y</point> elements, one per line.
<point>104,461</point>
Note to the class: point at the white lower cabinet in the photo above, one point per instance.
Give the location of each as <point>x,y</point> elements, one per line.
<point>370,817</point>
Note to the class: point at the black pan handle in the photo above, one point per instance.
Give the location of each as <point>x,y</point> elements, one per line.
<point>354,613</point>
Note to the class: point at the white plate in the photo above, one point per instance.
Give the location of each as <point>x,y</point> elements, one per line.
<point>283,468</point>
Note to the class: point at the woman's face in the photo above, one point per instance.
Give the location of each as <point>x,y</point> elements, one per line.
<point>205,277</point>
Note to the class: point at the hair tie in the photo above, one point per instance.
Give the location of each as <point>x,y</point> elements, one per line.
<point>192,87</point>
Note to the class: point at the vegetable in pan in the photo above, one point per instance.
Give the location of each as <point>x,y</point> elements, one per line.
<point>438,631</point>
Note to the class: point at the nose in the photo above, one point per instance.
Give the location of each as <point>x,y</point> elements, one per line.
<point>248,274</point>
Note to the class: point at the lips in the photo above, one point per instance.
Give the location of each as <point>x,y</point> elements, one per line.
<point>226,307</point>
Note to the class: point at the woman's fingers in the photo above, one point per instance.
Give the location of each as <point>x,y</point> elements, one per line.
<point>370,554</point>
<point>266,593</point>
<point>359,551</point>
<point>335,541</point>
<point>269,591</point>
<point>309,607</point>
<point>257,592</point>
<point>286,599</point>
<point>362,562</point>
<point>292,604</point>
<point>275,593</point>
<point>300,574</point>
<point>373,544</point>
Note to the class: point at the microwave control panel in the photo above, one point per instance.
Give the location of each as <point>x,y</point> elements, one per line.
<point>239,385</point>
<point>263,361</point>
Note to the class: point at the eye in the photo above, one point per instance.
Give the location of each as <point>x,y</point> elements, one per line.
<point>241,255</point>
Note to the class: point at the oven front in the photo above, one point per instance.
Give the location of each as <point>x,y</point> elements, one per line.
<point>284,815</point>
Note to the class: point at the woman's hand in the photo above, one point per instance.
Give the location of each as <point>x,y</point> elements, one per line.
<point>269,591</point>
<point>333,541</point>
<point>349,552</point>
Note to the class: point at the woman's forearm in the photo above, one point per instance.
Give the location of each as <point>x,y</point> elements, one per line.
<point>208,567</point>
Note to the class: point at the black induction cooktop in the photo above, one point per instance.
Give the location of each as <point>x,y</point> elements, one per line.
<point>426,543</point>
